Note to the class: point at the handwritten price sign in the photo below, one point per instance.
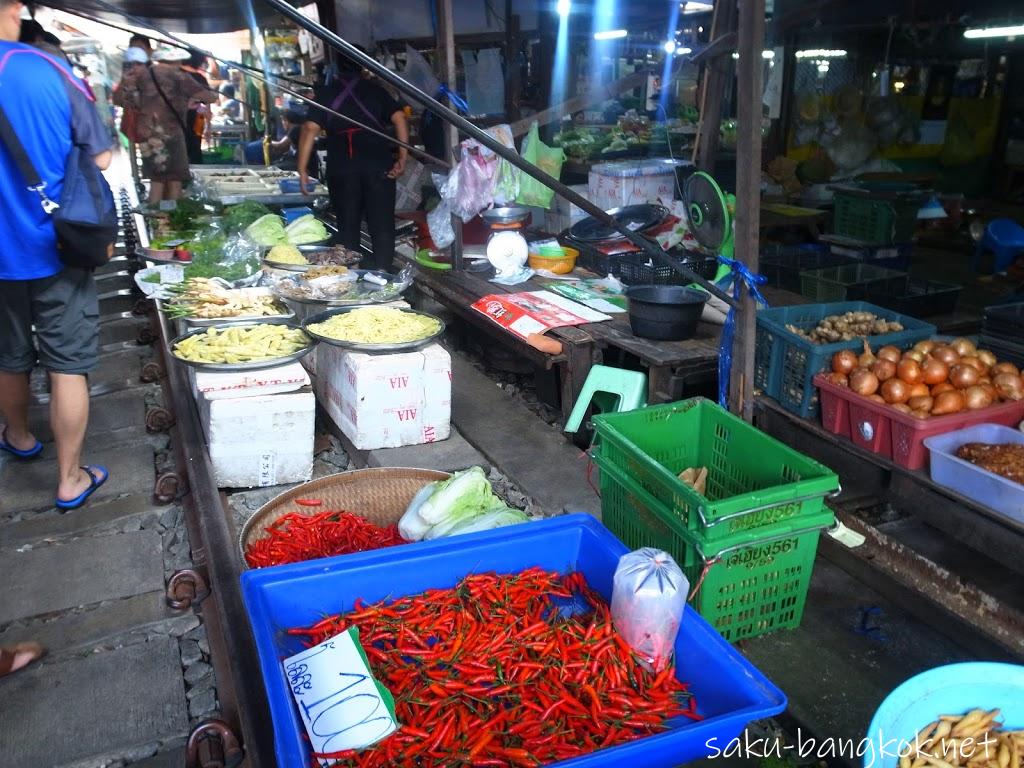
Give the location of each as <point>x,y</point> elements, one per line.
<point>341,704</point>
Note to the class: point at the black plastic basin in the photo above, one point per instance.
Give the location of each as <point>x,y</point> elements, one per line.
<point>665,312</point>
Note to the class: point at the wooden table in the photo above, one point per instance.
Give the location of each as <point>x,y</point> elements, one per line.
<point>674,368</point>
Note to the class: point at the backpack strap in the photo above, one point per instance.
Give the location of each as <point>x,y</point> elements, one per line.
<point>24,163</point>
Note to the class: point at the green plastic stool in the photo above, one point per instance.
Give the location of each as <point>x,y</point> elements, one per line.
<point>610,390</point>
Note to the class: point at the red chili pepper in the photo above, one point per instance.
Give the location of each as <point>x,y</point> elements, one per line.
<point>308,502</point>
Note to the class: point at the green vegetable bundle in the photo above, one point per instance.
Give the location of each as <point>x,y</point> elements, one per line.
<point>238,217</point>
<point>464,503</point>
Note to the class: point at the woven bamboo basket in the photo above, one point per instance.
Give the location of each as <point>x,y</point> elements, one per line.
<point>381,495</point>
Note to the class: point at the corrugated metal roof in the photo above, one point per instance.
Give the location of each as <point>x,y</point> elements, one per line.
<point>178,16</point>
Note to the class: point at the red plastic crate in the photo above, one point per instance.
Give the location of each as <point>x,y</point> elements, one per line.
<point>881,429</point>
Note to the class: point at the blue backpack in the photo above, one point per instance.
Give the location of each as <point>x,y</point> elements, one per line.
<point>85,219</point>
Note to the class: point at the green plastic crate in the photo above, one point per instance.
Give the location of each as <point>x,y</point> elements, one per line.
<point>876,216</point>
<point>746,585</point>
<point>754,482</point>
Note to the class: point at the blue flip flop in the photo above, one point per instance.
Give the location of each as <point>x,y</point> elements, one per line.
<point>31,453</point>
<point>80,499</point>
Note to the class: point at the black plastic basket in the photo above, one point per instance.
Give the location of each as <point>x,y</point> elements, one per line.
<point>594,260</point>
<point>639,269</point>
<point>920,298</point>
<point>1005,321</point>
<point>1005,351</point>
<point>782,265</point>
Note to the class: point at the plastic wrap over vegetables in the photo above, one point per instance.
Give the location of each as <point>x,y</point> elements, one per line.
<point>648,596</point>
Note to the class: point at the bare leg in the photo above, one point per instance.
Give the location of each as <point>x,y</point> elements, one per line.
<point>69,415</point>
<point>14,396</point>
<point>173,190</point>
<point>156,191</point>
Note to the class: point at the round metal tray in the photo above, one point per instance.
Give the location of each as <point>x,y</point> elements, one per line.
<point>636,217</point>
<point>304,249</point>
<point>405,346</point>
<point>348,301</point>
<point>507,215</point>
<point>256,365</point>
<point>286,318</point>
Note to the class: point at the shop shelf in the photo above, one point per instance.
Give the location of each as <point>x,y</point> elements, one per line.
<point>785,364</point>
<point>748,584</point>
<point>755,483</point>
<point>981,486</point>
<point>730,691</point>
<point>881,429</point>
<point>849,282</point>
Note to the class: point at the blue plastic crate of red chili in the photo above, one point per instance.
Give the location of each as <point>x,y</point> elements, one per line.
<point>537,688</point>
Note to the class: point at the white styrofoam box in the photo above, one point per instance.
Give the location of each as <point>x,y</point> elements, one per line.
<point>233,384</point>
<point>631,182</point>
<point>309,361</point>
<point>386,401</point>
<point>259,440</point>
<point>564,214</point>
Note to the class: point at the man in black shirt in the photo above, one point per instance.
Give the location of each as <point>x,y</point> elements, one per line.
<point>361,167</point>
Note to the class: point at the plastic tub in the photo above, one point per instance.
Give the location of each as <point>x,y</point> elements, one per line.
<point>730,691</point>
<point>881,429</point>
<point>562,264</point>
<point>665,312</point>
<point>950,690</point>
<point>979,485</point>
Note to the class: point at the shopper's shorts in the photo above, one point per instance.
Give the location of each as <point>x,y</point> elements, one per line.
<point>52,320</point>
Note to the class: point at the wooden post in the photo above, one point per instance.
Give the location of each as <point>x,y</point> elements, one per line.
<point>748,197</point>
<point>446,49</point>
<point>512,73</point>
<point>715,82</point>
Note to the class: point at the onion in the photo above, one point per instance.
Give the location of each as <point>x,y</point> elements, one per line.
<point>839,379</point>
<point>942,386</point>
<point>914,355</point>
<point>1005,368</point>
<point>945,354</point>
<point>844,361</point>
<point>902,407</point>
<point>884,369</point>
<point>1009,386</point>
<point>922,414</point>
<point>909,371</point>
<point>975,363</point>
<point>919,390</point>
<point>963,376</point>
<point>863,382</point>
<point>924,403</point>
<point>963,346</point>
<point>933,371</point>
<point>866,358</point>
<point>991,391</point>
<point>876,398</point>
<point>895,391</point>
<point>948,402</point>
<point>889,352</point>
<point>977,398</point>
<point>925,346</point>
<point>987,358</point>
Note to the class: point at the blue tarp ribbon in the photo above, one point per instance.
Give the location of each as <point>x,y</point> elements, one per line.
<point>457,101</point>
<point>739,275</point>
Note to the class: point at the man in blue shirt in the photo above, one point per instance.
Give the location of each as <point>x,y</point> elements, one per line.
<point>48,312</point>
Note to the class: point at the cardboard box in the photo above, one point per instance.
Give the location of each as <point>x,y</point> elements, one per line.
<point>387,401</point>
<point>269,381</point>
<point>256,438</point>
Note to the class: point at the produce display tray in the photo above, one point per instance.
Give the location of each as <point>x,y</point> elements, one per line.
<point>754,481</point>
<point>994,491</point>
<point>257,365</point>
<point>751,583</point>
<point>881,429</point>
<point>405,346</point>
<point>849,282</point>
<point>730,691</point>
<point>785,364</point>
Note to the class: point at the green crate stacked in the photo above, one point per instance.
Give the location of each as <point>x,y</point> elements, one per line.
<point>748,544</point>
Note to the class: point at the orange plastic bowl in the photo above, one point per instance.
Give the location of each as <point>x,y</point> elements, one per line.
<point>559,265</point>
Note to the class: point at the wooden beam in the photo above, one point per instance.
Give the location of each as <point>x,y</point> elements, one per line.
<point>716,80</point>
<point>513,80</point>
<point>748,198</point>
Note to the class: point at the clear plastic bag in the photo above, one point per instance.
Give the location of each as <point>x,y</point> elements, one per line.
<point>648,596</point>
<point>475,181</point>
<point>439,222</point>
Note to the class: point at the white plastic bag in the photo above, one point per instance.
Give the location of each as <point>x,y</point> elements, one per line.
<point>475,175</point>
<point>439,222</point>
<point>648,596</point>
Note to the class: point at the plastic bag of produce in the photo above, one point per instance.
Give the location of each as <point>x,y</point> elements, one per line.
<point>549,160</point>
<point>475,185</point>
<point>649,593</point>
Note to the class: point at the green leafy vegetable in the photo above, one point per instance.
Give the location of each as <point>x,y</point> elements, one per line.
<point>238,217</point>
<point>153,278</point>
<point>496,518</point>
<point>267,230</point>
<point>306,229</point>
<point>186,211</point>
